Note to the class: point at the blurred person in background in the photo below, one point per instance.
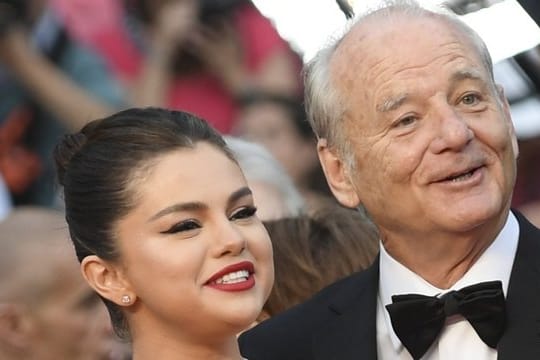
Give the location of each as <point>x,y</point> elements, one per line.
<point>47,311</point>
<point>527,191</point>
<point>532,211</point>
<point>526,197</point>
<point>273,190</point>
<point>194,55</point>
<point>279,123</point>
<point>313,251</point>
<point>49,83</point>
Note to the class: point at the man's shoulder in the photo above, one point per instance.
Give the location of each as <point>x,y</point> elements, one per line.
<point>520,339</point>
<point>290,334</point>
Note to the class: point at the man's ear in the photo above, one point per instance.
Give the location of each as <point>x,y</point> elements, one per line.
<point>15,326</point>
<point>508,117</point>
<point>337,175</point>
<point>107,280</point>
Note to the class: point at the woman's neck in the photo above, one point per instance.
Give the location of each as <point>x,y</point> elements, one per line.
<point>169,348</point>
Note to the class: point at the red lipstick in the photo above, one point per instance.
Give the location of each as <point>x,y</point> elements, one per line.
<point>236,277</point>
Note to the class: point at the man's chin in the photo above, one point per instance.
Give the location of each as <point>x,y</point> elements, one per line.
<point>471,216</point>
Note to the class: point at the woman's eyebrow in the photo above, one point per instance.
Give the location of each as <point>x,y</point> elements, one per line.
<point>188,206</point>
<point>238,194</point>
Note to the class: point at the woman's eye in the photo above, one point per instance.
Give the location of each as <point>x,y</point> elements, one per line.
<point>244,213</point>
<point>186,225</point>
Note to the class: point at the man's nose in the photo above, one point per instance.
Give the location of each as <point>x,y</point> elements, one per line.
<point>452,132</point>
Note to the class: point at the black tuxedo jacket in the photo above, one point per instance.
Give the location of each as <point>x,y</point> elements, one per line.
<point>340,321</point>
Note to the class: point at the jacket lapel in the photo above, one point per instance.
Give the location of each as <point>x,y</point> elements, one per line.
<point>521,339</point>
<point>351,333</point>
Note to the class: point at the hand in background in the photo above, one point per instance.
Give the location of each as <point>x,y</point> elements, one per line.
<point>15,45</point>
<point>219,48</point>
<point>174,21</point>
<point>48,85</point>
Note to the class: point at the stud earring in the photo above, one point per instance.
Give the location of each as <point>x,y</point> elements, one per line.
<point>126,299</point>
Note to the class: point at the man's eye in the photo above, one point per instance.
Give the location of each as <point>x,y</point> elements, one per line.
<point>244,213</point>
<point>186,225</point>
<point>408,120</point>
<point>470,99</point>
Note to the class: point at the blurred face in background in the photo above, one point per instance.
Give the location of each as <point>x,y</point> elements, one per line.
<point>269,200</point>
<point>271,125</point>
<point>153,8</point>
<point>70,321</point>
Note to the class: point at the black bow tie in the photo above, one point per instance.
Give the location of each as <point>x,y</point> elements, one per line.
<point>417,319</point>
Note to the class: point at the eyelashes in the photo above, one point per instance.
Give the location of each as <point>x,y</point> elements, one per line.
<point>246,212</point>
<point>182,226</point>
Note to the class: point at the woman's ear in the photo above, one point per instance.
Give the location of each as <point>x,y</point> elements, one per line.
<point>107,280</point>
<point>337,175</point>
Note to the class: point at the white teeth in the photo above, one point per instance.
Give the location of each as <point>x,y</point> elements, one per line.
<point>462,177</point>
<point>234,277</point>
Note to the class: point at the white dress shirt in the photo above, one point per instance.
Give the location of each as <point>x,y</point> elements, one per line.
<point>457,340</point>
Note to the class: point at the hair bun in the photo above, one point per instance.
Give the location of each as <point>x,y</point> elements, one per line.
<point>64,151</point>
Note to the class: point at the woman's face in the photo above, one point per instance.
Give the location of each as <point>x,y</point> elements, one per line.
<point>195,255</point>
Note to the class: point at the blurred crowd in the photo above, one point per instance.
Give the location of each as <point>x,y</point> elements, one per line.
<point>65,62</point>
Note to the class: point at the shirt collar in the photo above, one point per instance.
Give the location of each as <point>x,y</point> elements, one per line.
<point>494,264</point>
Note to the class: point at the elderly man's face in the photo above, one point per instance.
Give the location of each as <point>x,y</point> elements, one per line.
<point>432,137</point>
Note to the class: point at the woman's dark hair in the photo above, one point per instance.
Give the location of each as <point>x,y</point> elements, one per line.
<point>313,251</point>
<point>97,165</point>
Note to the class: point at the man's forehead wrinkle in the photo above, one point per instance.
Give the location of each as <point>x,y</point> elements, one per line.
<point>354,64</point>
<point>454,53</point>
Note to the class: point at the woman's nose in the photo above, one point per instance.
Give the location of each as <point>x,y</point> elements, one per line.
<point>228,240</point>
